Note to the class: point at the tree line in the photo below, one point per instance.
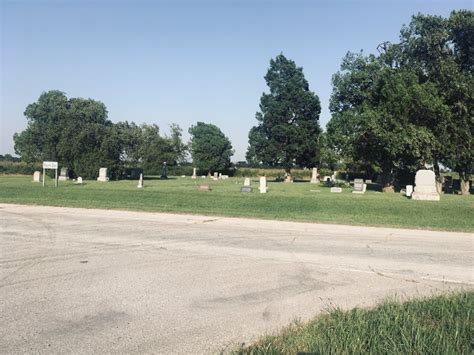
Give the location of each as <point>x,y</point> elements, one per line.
<point>406,108</point>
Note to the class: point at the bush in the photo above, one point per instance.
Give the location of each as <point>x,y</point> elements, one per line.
<point>22,168</point>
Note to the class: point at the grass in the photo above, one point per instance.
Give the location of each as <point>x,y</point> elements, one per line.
<point>299,201</point>
<point>438,325</point>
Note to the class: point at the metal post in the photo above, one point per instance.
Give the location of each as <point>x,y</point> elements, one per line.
<point>56,177</point>
<point>43,177</point>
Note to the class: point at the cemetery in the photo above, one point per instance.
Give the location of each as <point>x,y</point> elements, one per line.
<point>183,214</point>
<point>355,203</point>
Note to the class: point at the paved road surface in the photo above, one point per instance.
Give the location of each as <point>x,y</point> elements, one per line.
<point>90,281</point>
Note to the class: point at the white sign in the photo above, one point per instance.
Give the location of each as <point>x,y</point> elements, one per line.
<point>50,165</point>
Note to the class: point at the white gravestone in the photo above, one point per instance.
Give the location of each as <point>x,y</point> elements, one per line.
<point>103,175</point>
<point>263,185</point>
<point>37,176</point>
<point>425,186</point>
<point>220,176</point>
<point>216,176</point>
<point>336,189</point>
<point>63,176</point>
<point>79,180</point>
<point>140,182</point>
<point>314,176</point>
<point>359,186</point>
<point>409,190</point>
<point>194,174</point>
<point>247,181</point>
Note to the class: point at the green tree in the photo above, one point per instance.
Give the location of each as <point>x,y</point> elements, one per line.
<point>440,51</point>
<point>144,146</point>
<point>382,116</point>
<point>210,148</point>
<point>288,121</point>
<point>75,132</point>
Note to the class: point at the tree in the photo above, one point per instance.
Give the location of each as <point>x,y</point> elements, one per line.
<point>413,104</point>
<point>144,146</point>
<point>382,116</point>
<point>288,121</point>
<point>210,148</point>
<point>75,132</point>
<point>441,51</point>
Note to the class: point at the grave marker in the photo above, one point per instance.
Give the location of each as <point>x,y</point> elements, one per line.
<point>425,186</point>
<point>37,176</point>
<point>263,185</point>
<point>103,175</point>
<point>63,176</point>
<point>315,176</point>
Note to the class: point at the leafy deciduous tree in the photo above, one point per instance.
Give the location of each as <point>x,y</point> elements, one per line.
<point>210,148</point>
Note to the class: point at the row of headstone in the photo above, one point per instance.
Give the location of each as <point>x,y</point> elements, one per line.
<point>64,176</point>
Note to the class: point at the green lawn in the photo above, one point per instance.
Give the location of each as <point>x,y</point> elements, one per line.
<point>438,325</point>
<point>300,201</point>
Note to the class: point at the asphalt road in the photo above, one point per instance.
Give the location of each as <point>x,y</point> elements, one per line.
<point>95,281</point>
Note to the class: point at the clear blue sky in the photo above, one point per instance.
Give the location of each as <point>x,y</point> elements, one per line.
<point>183,61</point>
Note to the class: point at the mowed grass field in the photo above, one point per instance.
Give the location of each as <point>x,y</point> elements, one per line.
<point>300,201</point>
<point>438,325</point>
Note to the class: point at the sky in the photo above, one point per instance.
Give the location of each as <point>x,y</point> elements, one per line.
<point>183,61</point>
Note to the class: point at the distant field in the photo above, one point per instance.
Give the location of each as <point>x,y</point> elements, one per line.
<point>300,201</point>
<point>438,325</point>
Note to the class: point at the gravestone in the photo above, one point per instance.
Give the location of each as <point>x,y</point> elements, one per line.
<point>220,176</point>
<point>79,180</point>
<point>63,176</point>
<point>336,189</point>
<point>215,177</point>
<point>263,185</point>
<point>245,189</point>
<point>225,177</point>
<point>247,181</point>
<point>448,184</point>
<point>194,174</point>
<point>425,186</point>
<point>368,181</point>
<point>164,172</point>
<point>103,175</point>
<point>327,179</point>
<point>409,190</point>
<point>288,178</point>
<point>314,176</point>
<point>359,186</point>
<point>204,188</point>
<point>334,176</point>
<point>140,182</point>
<point>37,176</point>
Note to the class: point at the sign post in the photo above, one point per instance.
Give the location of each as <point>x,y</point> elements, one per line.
<point>51,165</point>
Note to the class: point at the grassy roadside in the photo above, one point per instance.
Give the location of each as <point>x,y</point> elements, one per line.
<point>438,325</point>
<point>295,202</point>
